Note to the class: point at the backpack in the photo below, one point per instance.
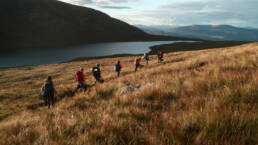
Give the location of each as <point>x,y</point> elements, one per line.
<point>48,89</point>
<point>78,74</point>
<point>146,57</point>
<point>116,67</point>
<point>96,71</point>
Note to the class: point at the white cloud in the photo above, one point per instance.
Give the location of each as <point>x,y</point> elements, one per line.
<point>232,12</point>
<point>111,4</point>
<point>183,12</point>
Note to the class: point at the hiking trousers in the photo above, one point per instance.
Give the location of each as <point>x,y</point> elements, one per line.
<point>136,67</point>
<point>81,85</point>
<point>118,73</point>
<point>49,99</point>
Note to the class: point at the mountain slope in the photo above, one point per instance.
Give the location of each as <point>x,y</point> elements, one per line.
<point>51,23</point>
<point>206,97</point>
<point>208,32</point>
<point>216,32</point>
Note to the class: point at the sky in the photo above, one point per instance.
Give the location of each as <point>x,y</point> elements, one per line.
<point>241,13</point>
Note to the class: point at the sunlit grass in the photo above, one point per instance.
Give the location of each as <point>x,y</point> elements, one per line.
<point>196,97</point>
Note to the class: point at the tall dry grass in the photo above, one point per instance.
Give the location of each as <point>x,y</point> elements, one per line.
<point>206,97</point>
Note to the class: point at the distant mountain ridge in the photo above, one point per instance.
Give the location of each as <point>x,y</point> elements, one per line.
<point>52,23</point>
<point>209,32</point>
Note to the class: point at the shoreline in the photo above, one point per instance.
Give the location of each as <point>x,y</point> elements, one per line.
<point>195,46</point>
<point>172,47</point>
<point>147,39</point>
<point>166,48</point>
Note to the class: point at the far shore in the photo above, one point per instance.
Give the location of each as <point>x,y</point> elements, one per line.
<point>166,48</point>
<point>174,47</point>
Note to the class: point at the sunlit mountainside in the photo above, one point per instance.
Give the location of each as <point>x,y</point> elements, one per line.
<point>193,97</point>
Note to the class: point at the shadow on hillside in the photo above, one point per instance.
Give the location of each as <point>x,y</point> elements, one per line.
<point>176,60</point>
<point>67,93</point>
<point>193,46</point>
<point>35,106</point>
<point>3,116</point>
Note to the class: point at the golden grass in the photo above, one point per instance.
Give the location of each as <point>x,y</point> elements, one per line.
<point>198,97</point>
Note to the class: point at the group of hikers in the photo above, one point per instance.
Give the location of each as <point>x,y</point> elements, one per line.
<point>48,90</point>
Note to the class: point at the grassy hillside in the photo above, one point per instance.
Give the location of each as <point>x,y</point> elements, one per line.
<point>194,97</point>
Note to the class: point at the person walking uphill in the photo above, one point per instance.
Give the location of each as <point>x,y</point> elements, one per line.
<point>80,78</point>
<point>160,56</point>
<point>137,63</point>
<point>146,58</point>
<point>48,91</point>
<point>97,74</point>
<point>118,68</point>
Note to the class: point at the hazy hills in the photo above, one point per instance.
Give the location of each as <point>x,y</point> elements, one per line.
<point>206,32</point>
<point>51,23</point>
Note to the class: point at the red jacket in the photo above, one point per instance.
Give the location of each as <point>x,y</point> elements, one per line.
<point>137,61</point>
<point>80,77</point>
<point>119,66</point>
<point>161,53</point>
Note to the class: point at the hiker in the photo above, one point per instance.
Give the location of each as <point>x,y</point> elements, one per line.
<point>97,74</point>
<point>118,68</point>
<point>80,77</point>
<point>137,63</point>
<point>48,91</point>
<point>160,56</point>
<point>146,58</point>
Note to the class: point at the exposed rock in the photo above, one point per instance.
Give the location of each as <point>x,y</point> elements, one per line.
<point>134,88</point>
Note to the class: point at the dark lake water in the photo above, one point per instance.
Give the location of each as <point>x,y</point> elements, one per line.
<point>50,56</point>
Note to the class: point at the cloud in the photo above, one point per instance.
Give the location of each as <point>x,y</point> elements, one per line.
<point>106,4</point>
<point>116,1</point>
<point>78,2</point>
<point>213,12</point>
<point>233,12</point>
<point>115,7</point>
<point>184,12</point>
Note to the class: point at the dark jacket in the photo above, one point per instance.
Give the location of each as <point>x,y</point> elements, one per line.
<point>146,56</point>
<point>96,72</point>
<point>48,89</point>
